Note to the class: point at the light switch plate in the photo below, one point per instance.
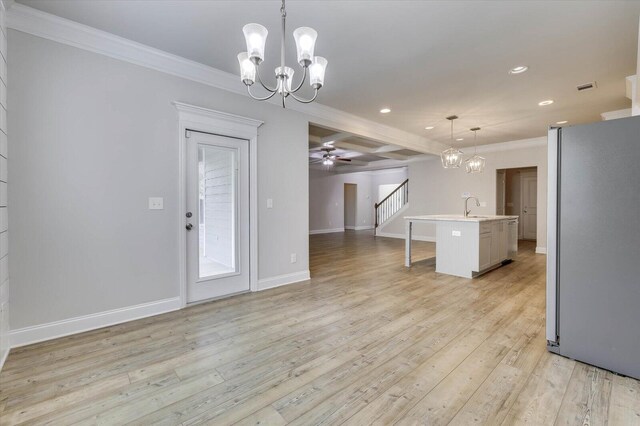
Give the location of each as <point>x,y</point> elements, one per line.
<point>466,194</point>
<point>156,203</point>
<point>269,203</point>
<point>483,204</point>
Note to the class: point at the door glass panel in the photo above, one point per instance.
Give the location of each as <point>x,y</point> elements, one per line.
<point>217,211</point>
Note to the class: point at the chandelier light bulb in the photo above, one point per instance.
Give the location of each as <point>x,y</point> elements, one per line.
<point>284,79</point>
<point>247,69</point>
<point>305,38</point>
<point>316,71</point>
<point>476,163</point>
<point>255,36</point>
<point>451,158</point>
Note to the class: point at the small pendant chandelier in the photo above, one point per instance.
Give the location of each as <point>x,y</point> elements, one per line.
<point>452,157</point>
<point>305,38</point>
<point>475,164</point>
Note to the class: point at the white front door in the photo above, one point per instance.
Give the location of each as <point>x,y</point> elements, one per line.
<point>529,183</point>
<point>217,216</point>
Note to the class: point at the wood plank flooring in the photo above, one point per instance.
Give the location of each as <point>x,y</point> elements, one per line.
<point>365,341</point>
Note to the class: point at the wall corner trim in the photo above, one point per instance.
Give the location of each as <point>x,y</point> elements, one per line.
<point>53,330</point>
<point>280,280</point>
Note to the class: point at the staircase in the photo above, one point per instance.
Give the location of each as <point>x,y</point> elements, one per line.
<point>391,204</point>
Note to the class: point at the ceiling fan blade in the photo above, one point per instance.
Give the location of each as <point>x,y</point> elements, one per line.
<point>348,160</point>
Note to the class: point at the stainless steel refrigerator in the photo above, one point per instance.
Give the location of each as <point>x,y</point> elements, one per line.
<point>593,246</point>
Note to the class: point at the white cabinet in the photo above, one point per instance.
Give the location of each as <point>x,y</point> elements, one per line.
<point>484,259</point>
<point>503,244</point>
<point>493,244</point>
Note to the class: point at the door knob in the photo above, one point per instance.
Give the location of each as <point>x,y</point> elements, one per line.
<point>189,226</point>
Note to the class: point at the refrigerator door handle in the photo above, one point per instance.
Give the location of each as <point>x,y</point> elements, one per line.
<point>553,159</point>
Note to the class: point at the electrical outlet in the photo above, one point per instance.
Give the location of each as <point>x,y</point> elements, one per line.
<point>466,194</point>
<point>294,258</point>
<point>156,203</point>
<point>456,233</point>
<point>483,204</point>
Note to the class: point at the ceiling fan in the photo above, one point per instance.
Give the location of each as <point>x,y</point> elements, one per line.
<point>328,159</point>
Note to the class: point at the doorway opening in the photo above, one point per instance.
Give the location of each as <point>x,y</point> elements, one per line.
<point>516,195</point>
<point>350,206</point>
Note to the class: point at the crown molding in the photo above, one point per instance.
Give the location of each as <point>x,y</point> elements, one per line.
<point>511,145</point>
<point>51,27</point>
<point>620,113</point>
<point>219,115</point>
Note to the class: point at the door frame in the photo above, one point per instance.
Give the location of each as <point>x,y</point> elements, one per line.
<point>195,118</point>
<point>528,174</point>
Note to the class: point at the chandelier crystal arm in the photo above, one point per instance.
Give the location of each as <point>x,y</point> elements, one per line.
<point>302,101</point>
<point>267,88</point>
<point>259,98</point>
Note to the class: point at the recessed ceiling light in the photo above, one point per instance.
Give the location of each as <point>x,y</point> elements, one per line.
<point>460,139</point>
<point>519,69</point>
<point>562,122</point>
<point>385,110</point>
<point>428,128</point>
<point>545,103</point>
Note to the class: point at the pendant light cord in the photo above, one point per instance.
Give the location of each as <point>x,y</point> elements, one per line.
<point>475,144</point>
<point>452,133</point>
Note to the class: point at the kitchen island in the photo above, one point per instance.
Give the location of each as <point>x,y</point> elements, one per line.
<point>468,246</point>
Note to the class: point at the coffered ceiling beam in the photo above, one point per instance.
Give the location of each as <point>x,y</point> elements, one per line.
<point>336,137</point>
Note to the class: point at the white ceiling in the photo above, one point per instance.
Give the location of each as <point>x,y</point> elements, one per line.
<point>425,60</point>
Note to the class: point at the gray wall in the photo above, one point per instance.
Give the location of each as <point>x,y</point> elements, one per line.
<point>4,240</point>
<point>326,196</point>
<point>94,138</point>
<point>435,190</point>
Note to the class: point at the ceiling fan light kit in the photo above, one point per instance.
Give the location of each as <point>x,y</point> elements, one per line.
<point>256,37</point>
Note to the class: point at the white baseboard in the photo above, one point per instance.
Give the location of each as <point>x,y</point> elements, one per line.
<point>281,280</point>
<point>402,236</point>
<point>541,250</point>
<point>3,358</point>
<point>325,231</point>
<point>358,228</point>
<point>52,330</point>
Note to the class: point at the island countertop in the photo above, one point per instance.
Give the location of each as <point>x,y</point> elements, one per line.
<point>458,218</point>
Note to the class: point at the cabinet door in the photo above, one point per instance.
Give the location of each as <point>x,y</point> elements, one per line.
<point>503,243</point>
<point>485,251</point>
<point>495,243</point>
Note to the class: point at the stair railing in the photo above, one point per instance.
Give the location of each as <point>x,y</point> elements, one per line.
<point>391,204</point>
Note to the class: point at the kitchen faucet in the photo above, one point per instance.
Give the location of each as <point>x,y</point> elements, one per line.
<point>466,211</point>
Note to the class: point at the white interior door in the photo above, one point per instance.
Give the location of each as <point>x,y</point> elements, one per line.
<point>529,194</point>
<point>217,216</point>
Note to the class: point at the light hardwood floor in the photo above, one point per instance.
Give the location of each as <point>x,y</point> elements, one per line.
<point>366,341</point>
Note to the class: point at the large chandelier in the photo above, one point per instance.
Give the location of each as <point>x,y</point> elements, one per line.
<point>305,37</point>
<point>452,157</point>
<point>475,164</point>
